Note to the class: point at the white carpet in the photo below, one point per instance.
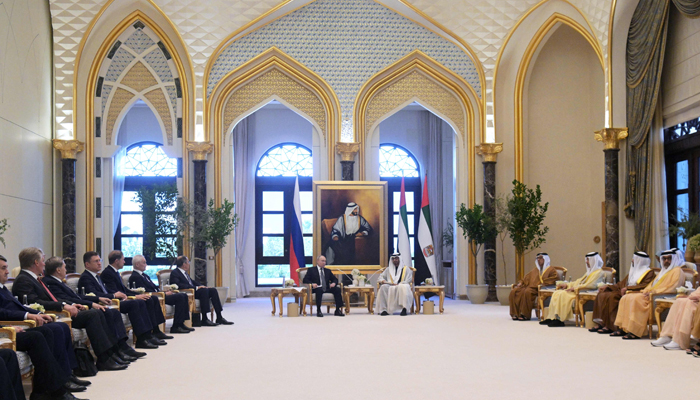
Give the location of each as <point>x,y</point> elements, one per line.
<point>471,351</point>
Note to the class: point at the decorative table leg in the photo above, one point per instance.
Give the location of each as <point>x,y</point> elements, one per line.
<point>371,302</point>
<point>279,298</point>
<point>304,295</point>
<point>442,301</point>
<point>272,300</point>
<point>346,299</point>
<point>416,297</point>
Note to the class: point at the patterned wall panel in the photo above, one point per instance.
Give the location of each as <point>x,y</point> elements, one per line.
<point>415,84</point>
<point>157,98</point>
<point>346,54</point>
<point>139,42</point>
<point>119,100</point>
<point>157,61</point>
<point>121,59</point>
<point>139,78</point>
<point>270,83</point>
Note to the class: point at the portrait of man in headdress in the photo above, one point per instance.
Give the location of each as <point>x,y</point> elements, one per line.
<point>341,247</point>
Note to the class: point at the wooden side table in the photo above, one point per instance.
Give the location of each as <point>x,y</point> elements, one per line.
<point>581,299</point>
<point>367,290</point>
<point>297,292</point>
<point>661,306</point>
<point>421,290</point>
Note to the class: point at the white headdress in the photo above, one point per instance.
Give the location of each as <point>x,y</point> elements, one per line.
<point>546,262</point>
<point>595,262</point>
<point>640,265</point>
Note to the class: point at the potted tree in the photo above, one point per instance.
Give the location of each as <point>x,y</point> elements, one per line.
<point>157,204</point>
<point>3,229</point>
<point>694,248</point>
<point>526,227</point>
<point>502,222</point>
<point>477,228</point>
<point>687,227</point>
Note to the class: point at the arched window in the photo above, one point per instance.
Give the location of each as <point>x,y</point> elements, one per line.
<point>145,165</point>
<point>395,161</point>
<point>148,159</point>
<point>274,191</point>
<point>286,160</point>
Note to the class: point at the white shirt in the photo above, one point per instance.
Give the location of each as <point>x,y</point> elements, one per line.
<point>31,273</point>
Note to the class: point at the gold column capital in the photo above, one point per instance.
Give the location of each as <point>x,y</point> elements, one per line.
<point>489,151</point>
<point>347,150</point>
<point>200,150</point>
<point>69,148</point>
<point>611,137</point>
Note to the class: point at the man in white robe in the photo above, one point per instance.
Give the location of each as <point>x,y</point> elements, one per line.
<point>395,290</point>
<point>341,248</point>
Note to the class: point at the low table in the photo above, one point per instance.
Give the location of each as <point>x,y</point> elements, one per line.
<point>421,290</point>
<point>366,290</point>
<point>297,292</point>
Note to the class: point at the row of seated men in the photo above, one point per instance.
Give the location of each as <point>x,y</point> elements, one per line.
<point>50,346</point>
<point>621,309</point>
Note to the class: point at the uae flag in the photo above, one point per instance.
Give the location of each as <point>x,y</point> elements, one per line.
<point>404,245</point>
<point>296,239</point>
<point>425,233</point>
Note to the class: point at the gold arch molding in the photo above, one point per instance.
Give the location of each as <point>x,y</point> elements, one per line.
<point>530,51</point>
<point>93,73</point>
<point>417,76</point>
<point>272,73</point>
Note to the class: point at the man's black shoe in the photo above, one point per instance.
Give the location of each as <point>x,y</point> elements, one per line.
<point>161,336</point>
<point>319,314</point>
<point>115,357</point>
<point>157,342</point>
<point>339,313</point>
<point>124,356</point>
<point>110,365</point>
<point>222,321</point>
<point>403,312</point>
<point>145,344</point>
<point>80,382</point>
<point>178,329</point>
<point>133,353</point>
<point>72,387</point>
<point>384,314</point>
<point>206,322</point>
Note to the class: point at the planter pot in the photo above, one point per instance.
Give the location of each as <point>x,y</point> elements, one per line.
<point>503,293</point>
<point>689,255</point>
<point>223,293</point>
<point>361,283</point>
<point>477,293</point>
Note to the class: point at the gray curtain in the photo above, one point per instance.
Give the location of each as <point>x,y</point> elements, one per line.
<point>646,45</point>
<point>243,147</point>
<point>432,147</point>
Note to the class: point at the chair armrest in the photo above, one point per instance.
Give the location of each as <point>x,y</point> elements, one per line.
<point>10,333</point>
<point>116,302</point>
<point>188,291</point>
<point>131,298</point>
<point>62,313</point>
<point>27,323</point>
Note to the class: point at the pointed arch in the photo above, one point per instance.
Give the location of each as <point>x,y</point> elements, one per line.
<point>92,83</point>
<point>419,78</point>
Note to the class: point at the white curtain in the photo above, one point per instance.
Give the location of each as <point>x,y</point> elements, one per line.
<point>243,147</point>
<point>432,166</point>
<point>118,187</point>
<point>659,205</point>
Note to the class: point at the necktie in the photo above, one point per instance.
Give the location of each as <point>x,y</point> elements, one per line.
<point>47,290</point>
<point>188,279</point>
<point>99,280</point>
<point>323,279</point>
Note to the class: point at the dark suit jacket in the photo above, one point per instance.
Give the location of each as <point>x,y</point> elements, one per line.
<point>25,284</point>
<point>11,309</point>
<point>91,285</point>
<point>179,279</point>
<point>312,276</point>
<point>63,293</point>
<point>113,282</point>
<point>144,281</point>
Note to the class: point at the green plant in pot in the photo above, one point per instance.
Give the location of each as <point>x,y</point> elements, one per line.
<point>477,228</point>
<point>3,229</point>
<point>502,222</point>
<point>693,247</point>
<point>685,228</point>
<point>526,227</point>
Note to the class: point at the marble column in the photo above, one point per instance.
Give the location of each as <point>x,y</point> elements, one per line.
<point>347,151</point>
<point>200,150</point>
<point>69,150</point>
<point>611,139</point>
<point>489,152</point>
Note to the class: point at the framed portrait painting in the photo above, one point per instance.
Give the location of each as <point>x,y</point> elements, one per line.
<point>350,224</point>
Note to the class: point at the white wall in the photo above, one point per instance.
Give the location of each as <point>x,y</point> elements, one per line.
<point>26,174</point>
<point>564,106</point>
<point>139,125</point>
<point>681,74</point>
<point>274,124</point>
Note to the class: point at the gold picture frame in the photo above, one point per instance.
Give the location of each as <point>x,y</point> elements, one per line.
<point>330,201</point>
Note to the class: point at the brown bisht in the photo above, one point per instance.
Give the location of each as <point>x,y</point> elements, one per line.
<point>607,300</point>
<point>522,298</point>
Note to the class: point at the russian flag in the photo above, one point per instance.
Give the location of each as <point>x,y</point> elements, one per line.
<point>296,239</point>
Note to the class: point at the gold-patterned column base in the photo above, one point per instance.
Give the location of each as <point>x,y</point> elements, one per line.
<point>611,137</point>
<point>489,151</point>
<point>200,150</point>
<point>69,148</point>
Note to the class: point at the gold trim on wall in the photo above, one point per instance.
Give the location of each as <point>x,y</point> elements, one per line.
<point>270,59</point>
<point>69,148</point>
<point>90,103</point>
<point>417,61</point>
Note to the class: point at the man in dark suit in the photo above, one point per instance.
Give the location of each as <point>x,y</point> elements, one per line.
<point>180,276</point>
<point>139,279</point>
<point>137,310</point>
<point>45,344</point>
<point>10,376</point>
<point>323,281</point>
<point>93,321</point>
<point>110,319</point>
<point>112,280</point>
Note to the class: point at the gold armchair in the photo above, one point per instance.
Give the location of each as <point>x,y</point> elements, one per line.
<point>545,292</point>
<point>164,276</point>
<point>586,295</point>
<point>413,290</point>
<point>326,300</point>
<point>8,340</point>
